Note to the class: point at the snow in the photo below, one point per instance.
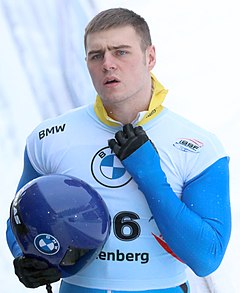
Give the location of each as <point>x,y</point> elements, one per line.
<point>198,60</point>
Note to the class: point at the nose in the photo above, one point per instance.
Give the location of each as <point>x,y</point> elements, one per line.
<point>108,62</point>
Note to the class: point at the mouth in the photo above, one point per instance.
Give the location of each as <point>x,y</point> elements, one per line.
<point>111,81</point>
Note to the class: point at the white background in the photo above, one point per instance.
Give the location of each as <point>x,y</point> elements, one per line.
<point>198,60</point>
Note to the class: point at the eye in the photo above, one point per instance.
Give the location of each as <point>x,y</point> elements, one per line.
<point>121,52</point>
<point>96,57</point>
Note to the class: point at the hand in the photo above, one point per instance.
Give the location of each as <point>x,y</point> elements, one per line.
<point>33,272</point>
<point>127,141</point>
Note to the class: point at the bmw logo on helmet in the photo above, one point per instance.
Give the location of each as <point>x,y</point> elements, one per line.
<point>46,244</point>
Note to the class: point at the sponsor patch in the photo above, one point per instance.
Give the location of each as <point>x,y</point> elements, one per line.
<point>188,145</point>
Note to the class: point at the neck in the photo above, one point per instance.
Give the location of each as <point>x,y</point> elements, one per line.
<point>127,110</point>
<point>125,113</point>
<point>153,109</point>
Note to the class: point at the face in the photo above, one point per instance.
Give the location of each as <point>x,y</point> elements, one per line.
<point>119,68</point>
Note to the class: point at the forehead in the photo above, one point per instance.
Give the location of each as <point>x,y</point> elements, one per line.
<point>126,36</point>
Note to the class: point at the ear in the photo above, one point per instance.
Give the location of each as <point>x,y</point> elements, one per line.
<point>151,57</point>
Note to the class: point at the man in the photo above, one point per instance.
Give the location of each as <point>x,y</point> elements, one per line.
<point>165,180</point>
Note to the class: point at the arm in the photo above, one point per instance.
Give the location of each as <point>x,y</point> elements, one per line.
<point>28,174</point>
<point>32,272</point>
<point>196,227</point>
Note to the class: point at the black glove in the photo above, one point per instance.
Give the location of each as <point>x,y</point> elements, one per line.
<point>127,141</point>
<point>33,272</point>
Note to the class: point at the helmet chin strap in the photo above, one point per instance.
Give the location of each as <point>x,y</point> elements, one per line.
<point>49,288</point>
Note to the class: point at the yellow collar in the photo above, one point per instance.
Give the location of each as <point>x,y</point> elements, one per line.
<point>155,107</point>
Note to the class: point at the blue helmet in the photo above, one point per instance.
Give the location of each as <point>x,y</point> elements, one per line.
<point>60,219</point>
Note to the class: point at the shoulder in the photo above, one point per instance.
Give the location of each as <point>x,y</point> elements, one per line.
<point>46,142</point>
<point>180,122</point>
<point>59,123</point>
<point>186,144</point>
<point>181,127</point>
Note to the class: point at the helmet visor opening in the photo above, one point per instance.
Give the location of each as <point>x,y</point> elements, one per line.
<point>73,255</point>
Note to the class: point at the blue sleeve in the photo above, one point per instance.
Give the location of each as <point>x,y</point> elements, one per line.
<point>28,174</point>
<point>196,227</point>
